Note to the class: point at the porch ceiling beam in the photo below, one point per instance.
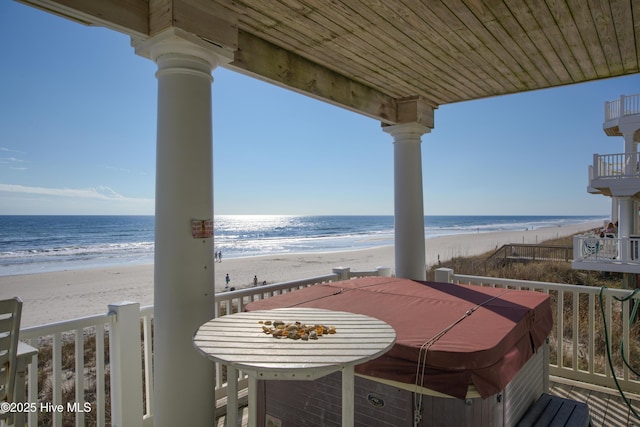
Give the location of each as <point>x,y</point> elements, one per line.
<point>204,18</point>
<point>263,60</point>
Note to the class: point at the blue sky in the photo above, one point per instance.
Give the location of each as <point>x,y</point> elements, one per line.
<point>78,128</point>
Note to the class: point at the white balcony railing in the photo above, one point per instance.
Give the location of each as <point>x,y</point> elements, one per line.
<point>113,354</point>
<point>73,332</point>
<point>614,250</point>
<point>612,166</point>
<point>578,349</point>
<point>626,105</point>
<point>578,326</point>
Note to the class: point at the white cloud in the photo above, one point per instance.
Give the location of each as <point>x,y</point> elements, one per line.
<point>8,150</point>
<point>124,171</point>
<point>9,160</point>
<point>87,193</point>
<point>12,161</point>
<point>21,199</point>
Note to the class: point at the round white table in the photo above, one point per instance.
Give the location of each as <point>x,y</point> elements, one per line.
<point>239,342</point>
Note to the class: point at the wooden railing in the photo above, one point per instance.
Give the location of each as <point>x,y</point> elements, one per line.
<point>530,252</point>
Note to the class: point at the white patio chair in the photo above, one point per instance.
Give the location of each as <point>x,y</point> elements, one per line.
<point>10,312</point>
<point>590,248</point>
<point>14,356</point>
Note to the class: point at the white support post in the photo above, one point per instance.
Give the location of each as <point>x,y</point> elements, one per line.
<point>625,227</point>
<point>409,209</point>
<point>126,365</point>
<point>615,209</point>
<point>630,155</point>
<point>444,275</point>
<point>342,272</point>
<point>348,401</point>
<point>383,271</point>
<point>232,396</point>
<point>183,264</point>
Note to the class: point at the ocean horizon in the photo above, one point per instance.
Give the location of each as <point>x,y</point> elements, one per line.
<point>44,243</point>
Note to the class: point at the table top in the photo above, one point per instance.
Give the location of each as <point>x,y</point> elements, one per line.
<point>239,340</point>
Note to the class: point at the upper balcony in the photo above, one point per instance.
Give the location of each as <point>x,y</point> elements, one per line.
<point>615,175</point>
<point>623,110</point>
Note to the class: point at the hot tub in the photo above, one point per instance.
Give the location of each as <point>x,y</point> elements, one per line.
<point>464,355</point>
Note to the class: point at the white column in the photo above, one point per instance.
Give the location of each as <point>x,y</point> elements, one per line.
<point>183,274</point>
<point>628,126</point>
<point>408,203</point>
<point>626,219</point>
<point>625,229</point>
<point>630,154</point>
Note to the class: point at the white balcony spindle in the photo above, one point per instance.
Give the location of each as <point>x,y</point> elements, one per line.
<point>607,314</point>
<point>79,356</point>
<point>560,328</point>
<point>56,393</point>
<point>100,377</point>
<point>591,332</point>
<point>148,363</point>
<point>625,333</point>
<point>32,378</point>
<point>575,329</point>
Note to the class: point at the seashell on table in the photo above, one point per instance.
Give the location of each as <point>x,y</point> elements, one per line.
<point>295,330</point>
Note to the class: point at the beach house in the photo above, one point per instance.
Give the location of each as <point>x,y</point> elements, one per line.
<point>395,61</point>
<point>616,176</point>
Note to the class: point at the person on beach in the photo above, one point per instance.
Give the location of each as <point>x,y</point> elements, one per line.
<point>227,279</point>
<point>219,256</point>
<point>215,256</point>
<point>255,281</point>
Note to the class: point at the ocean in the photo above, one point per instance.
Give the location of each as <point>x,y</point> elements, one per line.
<point>33,244</point>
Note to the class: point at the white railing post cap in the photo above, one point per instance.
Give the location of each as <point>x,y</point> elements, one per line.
<point>115,305</point>
<point>384,271</point>
<point>444,275</point>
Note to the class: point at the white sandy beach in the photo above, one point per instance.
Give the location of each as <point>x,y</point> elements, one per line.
<point>56,296</point>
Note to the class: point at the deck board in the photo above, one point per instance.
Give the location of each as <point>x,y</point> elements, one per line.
<point>606,409</point>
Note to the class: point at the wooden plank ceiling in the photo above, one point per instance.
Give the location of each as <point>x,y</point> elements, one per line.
<point>453,50</point>
<point>443,51</point>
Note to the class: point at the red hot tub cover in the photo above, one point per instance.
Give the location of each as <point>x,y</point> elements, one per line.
<point>475,335</point>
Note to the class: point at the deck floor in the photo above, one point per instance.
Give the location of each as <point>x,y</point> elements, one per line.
<point>606,409</point>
